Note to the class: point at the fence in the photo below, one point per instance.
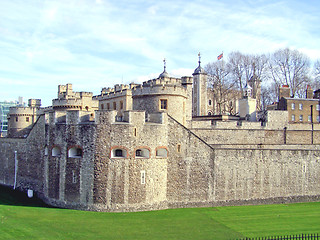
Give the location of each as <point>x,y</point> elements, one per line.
<point>289,237</point>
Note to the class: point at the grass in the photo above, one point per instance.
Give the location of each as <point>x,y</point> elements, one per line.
<point>22,218</point>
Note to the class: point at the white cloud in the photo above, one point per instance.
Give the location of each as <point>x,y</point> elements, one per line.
<point>103,42</point>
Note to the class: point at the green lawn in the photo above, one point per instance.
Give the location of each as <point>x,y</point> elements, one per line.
<point>33,222</point>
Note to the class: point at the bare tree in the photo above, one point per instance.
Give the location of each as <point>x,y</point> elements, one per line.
<point>236,67</point>
<point>290,67</point>
<point>316,72</point>
<point>223,86</point>
<point>316,69</point>
<point>269,94</point>
<point>243,67</point>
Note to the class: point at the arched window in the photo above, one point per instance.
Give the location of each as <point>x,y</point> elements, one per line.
<point>118,153</point>
<point>162,152</point>
<point>142,153</point>
<point>209,113</point>
<point>75,152</point>
<point>56,152</point>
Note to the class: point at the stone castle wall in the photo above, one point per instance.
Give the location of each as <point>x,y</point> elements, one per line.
<point>192,173</point>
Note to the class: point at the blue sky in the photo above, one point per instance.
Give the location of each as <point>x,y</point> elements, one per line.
<point>98,43</point>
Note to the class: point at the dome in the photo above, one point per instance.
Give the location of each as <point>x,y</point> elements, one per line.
<point>198,70</point>
<point>164,74</point>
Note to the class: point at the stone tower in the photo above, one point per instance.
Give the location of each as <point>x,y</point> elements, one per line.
<point>199,99</point>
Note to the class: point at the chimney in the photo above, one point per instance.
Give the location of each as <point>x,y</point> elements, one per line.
<point>284,91</point>
<point>309,92</point>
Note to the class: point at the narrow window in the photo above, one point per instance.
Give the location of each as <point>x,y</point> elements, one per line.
<point>293,106</point>
<point>309,118</point>
<point>163,104</point>
<point>27,119</point>
<point>121,104</point>
<point>143,177</point>
<point>46,151</point>
<point>300,118</point>
<point>74,177</point>
<point>102,106</point>
<point>179,148</point>
<point>210,102</point>
<point>108,106</point>
<point>135,132</point>
<point>16,119</point>
<point>300,106</point>
<point>317,107</point>
<point>293,118</point>
<point>114,105</point>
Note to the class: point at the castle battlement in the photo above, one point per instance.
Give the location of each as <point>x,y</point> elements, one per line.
<point>158,89</point>
<point>162,81</point>
<point>108,93</point>
<point>134,117</point>
<point>16,111</point>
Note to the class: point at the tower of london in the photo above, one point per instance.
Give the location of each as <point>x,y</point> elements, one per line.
<point>159,145</point>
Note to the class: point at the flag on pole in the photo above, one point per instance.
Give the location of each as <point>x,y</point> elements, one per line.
<point>220,56</point>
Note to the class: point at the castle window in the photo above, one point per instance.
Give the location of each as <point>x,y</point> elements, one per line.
<point>135,132</point>
<point>118,153</point>
<point>143,177</point>
<point>179,148</point>
<point>309,118</point>
<point>56,152</point>
<point>46,151</point>
<point>74,177</point>
<point>16,119</point>
<point>209,113</point>
<point>293,106</point>
<point>163,104</point>
<point>300,106</point>
<point>27,119</point>
<point>317,107</point>
<point>210,102</point>
<point>114,105</point>
<point>293,118</point>
<point>300,118</point>
<point>108,106</point>
<point>121,104</point>
<point>142,153</point>
<point>75,152</point>
<point>102,106</point>
<point>162,152</point>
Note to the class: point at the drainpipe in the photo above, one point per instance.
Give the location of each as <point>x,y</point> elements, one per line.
<point>15,169</point>
<point>311,123</point>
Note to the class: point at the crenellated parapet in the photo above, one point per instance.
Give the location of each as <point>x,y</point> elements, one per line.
<point>161,86</point>
<point>99,117</point>
<point>69,100</point>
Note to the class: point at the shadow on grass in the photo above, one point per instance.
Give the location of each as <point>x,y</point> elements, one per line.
<point>8,196</point>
